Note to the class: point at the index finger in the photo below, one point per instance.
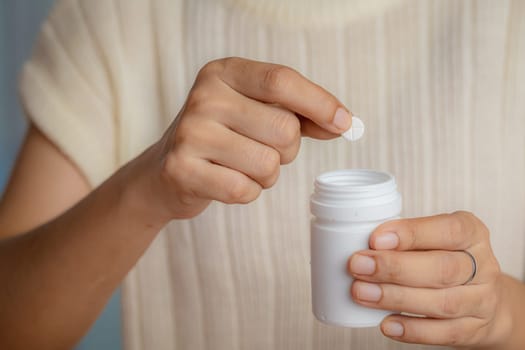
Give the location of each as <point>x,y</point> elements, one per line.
<point>273,83</point>
<point>456,231</point>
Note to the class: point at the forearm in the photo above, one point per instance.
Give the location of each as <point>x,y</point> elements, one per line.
<point>56,278</point>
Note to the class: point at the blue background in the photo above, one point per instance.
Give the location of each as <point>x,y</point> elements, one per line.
<point>19,24</point>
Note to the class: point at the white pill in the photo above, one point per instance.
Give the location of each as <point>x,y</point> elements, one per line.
<point>356,131</point>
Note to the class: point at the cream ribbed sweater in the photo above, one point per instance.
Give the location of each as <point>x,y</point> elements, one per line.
<point>439,84</point>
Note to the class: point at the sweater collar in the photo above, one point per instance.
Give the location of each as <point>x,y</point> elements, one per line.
<point>313,13</point>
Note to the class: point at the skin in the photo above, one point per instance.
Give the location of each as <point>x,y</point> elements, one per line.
<point>64,247</point>
<point>423,271</point>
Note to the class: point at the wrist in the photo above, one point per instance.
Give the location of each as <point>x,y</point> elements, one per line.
<point>141,190</point>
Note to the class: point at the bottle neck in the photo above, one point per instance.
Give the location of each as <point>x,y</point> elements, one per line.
<point>355,195</point>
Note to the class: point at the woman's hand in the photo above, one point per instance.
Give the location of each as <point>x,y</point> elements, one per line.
<point>419,266</point>
<point>242,120</point>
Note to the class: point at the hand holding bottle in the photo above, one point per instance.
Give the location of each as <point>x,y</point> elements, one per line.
<point>441,267</point>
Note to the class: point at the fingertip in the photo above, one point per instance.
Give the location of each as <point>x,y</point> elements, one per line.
<point>355,254</point>
<point>392,328</point>
<point>342,119</point>
<point>384,240</point>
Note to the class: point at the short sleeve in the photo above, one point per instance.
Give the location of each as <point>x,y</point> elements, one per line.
<point>65,88</point>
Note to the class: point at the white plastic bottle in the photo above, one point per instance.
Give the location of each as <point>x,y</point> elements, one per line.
<point>347,206</point>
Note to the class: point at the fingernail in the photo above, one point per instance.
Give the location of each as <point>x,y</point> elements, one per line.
<point>362,265</point>
<point>367,291</point>
<point>342,119</point>
<point>388,240</point>
<point>393,329</point>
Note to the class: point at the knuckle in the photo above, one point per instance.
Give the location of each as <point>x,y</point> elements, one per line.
<point>212,68</point>
<point>188,132</point>
<point>410,227</point>
<point>395,296</point>
<point>289,154</point>
<point>232,64</point>
<point>268,164</point>
<point>454,230</point>
<point>330,105</point>
<point>237,191</point>
<point>186,198</point>
<point>463,225</point>
<point>276,79</point>
<point>203,101</point>
<point>177,170</point>
<point>457,335</point>
<point>287,129</point>
<point>389,265</point>
<point>197,98</point>
<point>455,226</point>
<point>455,223</point>
<point>454,336</point>
<point>491,269</point>
<point>478,226</point>
<point>231,61</point>
<point>449,271</point>
<point>450,305</point>
<point>240,191</point>
<point>483,230</point>
<point>467,215</point>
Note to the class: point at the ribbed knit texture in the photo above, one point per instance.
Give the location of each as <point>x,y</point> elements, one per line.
<point>441,88</point>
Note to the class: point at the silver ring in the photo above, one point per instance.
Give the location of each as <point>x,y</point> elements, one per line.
<point>474,267</point>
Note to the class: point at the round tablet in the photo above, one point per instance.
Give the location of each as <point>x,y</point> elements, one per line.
<point>356,131</point>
